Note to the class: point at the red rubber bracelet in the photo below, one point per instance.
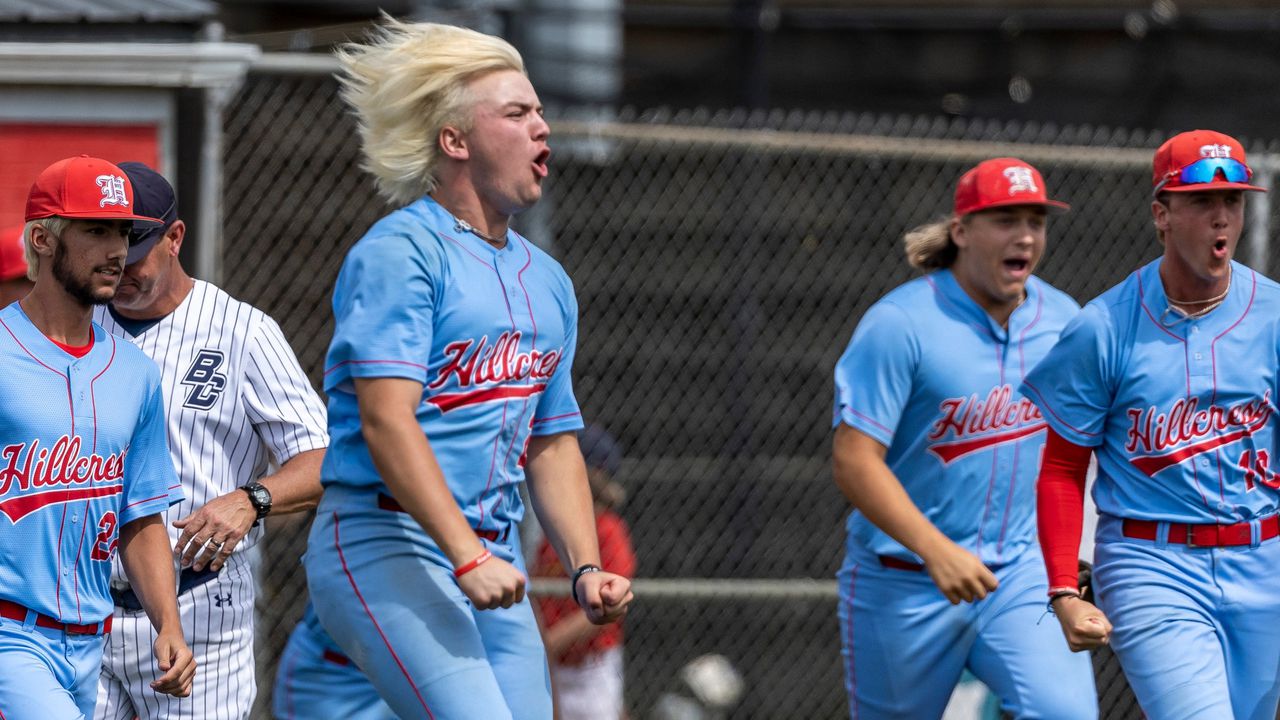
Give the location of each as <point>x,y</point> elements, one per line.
<point>477,562</point>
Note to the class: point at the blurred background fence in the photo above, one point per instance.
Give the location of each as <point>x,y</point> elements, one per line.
<point>721,262</point>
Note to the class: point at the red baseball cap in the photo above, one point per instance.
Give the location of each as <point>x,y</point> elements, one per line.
<point>13,264</point>
<point>83,188</point>
<point>1001,182</point>
<point>1183,150</point>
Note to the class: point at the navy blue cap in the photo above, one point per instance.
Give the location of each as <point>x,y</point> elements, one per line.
<point>153,196</point>
<point>599,449</point>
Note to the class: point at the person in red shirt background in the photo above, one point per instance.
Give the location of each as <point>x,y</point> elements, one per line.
<point>14,283</point>
<point>586,659</point>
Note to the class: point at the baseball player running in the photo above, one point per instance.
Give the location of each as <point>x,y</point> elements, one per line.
<point>1171,378</point>
<point>236,399</point>
<point>938,453</point>
<point>449,383</point>
<point>85,469</point>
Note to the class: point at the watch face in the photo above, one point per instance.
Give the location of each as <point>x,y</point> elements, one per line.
<point>260,497</point>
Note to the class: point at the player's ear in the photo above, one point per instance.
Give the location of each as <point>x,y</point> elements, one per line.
<point>957,228</point>
<point>174,236</point>
<point>453,143</point>
<point>42,241</point>
<point>1160,217</point>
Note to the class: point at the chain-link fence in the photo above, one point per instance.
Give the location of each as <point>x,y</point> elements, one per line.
<point>721,262</point>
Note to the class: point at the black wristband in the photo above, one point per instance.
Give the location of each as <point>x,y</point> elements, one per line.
<point>577,574</point>
<point>1062,594</point>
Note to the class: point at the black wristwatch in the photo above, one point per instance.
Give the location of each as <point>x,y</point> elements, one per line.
<point>259,497</point>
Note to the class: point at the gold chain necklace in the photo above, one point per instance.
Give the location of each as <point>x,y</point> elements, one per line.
<point>1213,304</point>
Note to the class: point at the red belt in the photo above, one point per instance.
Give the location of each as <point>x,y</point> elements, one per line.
<point>336,658</point>
<point>890,561</point>
<point>386,502</point>
<point>14,611</point>
<point>1204,535</point>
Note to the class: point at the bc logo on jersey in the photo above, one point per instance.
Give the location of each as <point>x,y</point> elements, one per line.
<point>205,382</point>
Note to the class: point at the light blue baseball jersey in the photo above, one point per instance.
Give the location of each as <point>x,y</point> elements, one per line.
<point>1181,412</point>
<point>82,453</point>
<point>489,333</point>
<point>931,376</point>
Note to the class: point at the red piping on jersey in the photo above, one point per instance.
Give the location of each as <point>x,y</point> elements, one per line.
<point>145,500</point>
<point>1186,364</point>
<point>1022,337</point>
<point>493,462</point>
<point>453,401</point>
<point>853,676</point>
<point>75,569</point>
<point>986,505</point>
<point>466,249</point>
<point>1008,501</point>
<point>93,399</point>
<point>1044,405</point>
<point>1213,350</point>
<point>533,346</point>
<point>527,300</point>
<point>57,584</point>
<point>995,458</point>
<point>1022,375</point>
<point>376,362</point>
<point>24,349</point>
<point>1213,361</point>
<point>556,417</point>
<point>1142,300</point>
<point>337,544</point>
<point>493,459</point>
<point>70,404</point>
<point>985,329</point>
<point>869,420</point>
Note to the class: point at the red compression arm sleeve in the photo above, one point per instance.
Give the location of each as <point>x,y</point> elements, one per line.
<point>1060,508</point>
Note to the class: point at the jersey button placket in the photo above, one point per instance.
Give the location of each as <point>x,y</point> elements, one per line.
<point>1199,352</point>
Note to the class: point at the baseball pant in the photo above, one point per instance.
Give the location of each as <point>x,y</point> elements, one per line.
<point>1195,629</point>
<point>217,622</point>
<point>592,690</point>
<point>47,674</point>
<point>906,646</point>
<point>316,680</point>
<point>386,595</point>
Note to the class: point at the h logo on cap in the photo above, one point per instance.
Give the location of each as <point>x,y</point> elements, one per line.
<point>1215,151</point>
<point>112,187</point>
<point>1020,179</point>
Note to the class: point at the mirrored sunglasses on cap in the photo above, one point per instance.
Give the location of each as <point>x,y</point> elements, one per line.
<point>1205,170</point>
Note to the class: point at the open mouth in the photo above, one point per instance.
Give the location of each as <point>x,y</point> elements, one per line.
<point>1017,265</point>
<point>1220,247</point>
<point>108,270</point>
<point>540,163</point>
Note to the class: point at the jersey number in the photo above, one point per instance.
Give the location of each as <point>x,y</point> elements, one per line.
<point>104,547</point>
<point>204,381</point>
<point>1257,469</point>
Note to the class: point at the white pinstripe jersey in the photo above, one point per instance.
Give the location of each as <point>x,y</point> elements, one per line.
<point>235,396</point>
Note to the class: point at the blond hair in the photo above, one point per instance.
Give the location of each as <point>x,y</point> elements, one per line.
<point>929,246</point>
<point>55,225</point>
<point>405,86</point>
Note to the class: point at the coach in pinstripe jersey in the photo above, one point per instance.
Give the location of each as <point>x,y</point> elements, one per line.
<point>236,400</point>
